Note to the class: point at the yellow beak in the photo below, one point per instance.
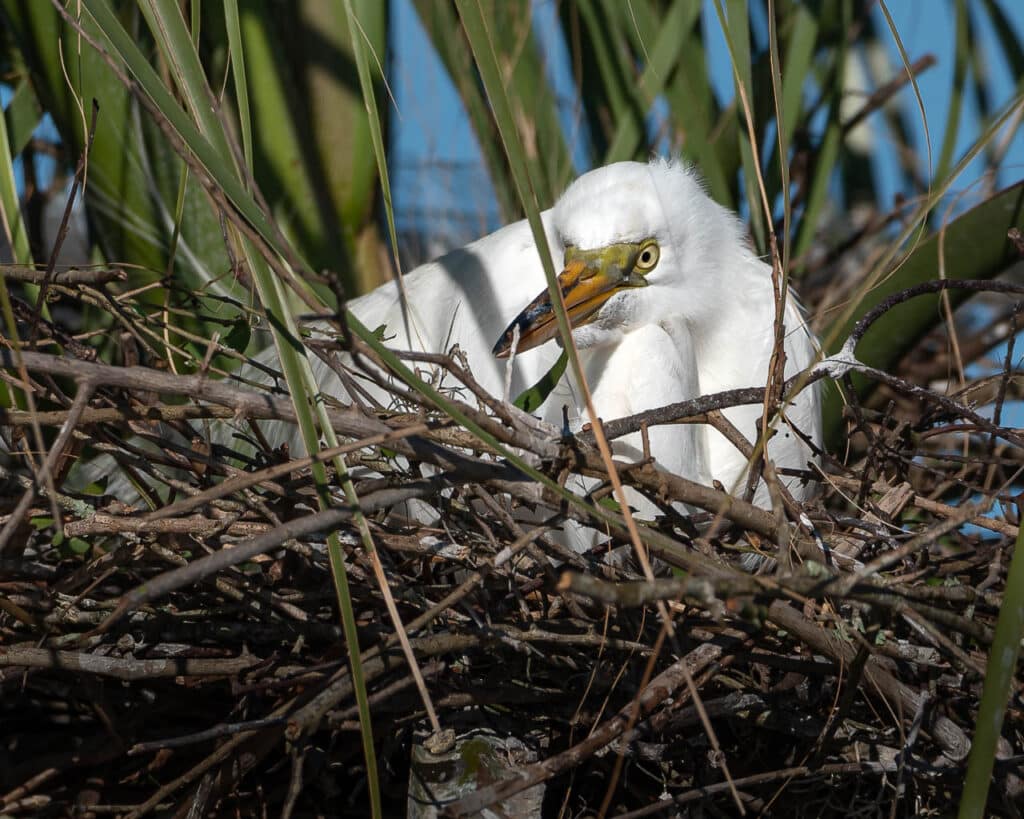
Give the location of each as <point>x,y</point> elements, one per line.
<point>587,282</point>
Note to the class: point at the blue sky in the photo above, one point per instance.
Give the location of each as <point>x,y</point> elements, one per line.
<point>47,132</point>
<point>437,162</point>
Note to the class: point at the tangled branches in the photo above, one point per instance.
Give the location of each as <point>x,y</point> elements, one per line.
<point>184,653</point>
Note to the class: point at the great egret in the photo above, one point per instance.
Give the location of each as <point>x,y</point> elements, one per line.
<point>668,300</point>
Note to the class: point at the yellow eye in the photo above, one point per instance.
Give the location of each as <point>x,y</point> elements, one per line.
<point>648,257</point>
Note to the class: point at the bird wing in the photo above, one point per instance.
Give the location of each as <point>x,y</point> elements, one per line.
<point>742,359</point>
<point>468,297</point>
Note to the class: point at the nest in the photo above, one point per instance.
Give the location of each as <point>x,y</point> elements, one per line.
<point>185,656</point>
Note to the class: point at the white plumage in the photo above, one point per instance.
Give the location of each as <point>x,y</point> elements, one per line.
<point>700,320</point>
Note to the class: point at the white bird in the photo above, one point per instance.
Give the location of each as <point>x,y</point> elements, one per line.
<point>668,302</point>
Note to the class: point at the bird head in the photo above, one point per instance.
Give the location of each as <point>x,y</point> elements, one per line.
<point>643,244</point>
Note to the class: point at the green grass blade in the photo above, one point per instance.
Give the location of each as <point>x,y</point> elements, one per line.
<point>530,399</point>
<point>792,37</point>
<point>339,135</point>
<point>282,158</point>
<point>816,199</point>
<point>801,43</point>
<point>826,158</point>
<point>1000,676</point>
<point>479,36</point>
<point>597,72</point>
<point>695,110</point>
<point>664,56</point>
<point>734,19</point>
<point>956,97</point>
<point>132,181</point>
<point>13,226</point>
<point>236,49</point>
<point>528,87</point>
<point>21,116</point>
<point>359,49</point>
<point>175,42</point>
<point>782,138</point>
<point>448,40</point>
<point>210,157</point>
<point>475,25</point>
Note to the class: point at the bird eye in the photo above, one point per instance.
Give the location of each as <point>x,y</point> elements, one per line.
<point>648,258</point>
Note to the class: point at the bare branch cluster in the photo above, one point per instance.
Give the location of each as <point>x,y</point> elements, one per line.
<point>185,649</point>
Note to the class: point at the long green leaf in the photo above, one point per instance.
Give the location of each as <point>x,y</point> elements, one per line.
<point>15,234</point>
<point>696,113</point>
<point>133,180</point>
<point>1000,675</point>
<point>359,49</point>
<point>12,224</point>
<point>448,39</point>
<point>21,116</point>
<point>663,58</point>
<point>956,97</point>
<point>480,40</point>
<point>236,48</point>
<point>600,78</point>
<point>735,22</point>
<point>974,246</point>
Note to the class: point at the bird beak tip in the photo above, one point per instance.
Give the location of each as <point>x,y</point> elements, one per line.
<point>585,290</point>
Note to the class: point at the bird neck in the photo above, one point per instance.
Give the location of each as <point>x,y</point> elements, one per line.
<point>734,342</point>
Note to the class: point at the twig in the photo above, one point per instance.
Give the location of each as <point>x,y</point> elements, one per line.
<point>665,685</point>
<point>65,222</point>
<point>45,473</point>
<point>72,277</point>
<point>123,668</point>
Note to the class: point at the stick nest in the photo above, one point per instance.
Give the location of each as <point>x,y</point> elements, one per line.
<point>186,653</point>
